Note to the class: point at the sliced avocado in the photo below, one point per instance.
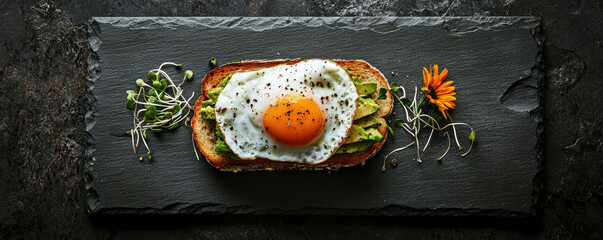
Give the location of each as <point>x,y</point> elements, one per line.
<point>221,146</point>
<point>373,134</point>
<point>225,81</point>
<point>208,102</point>
<point>357,134</point>
<point>354,147</point>
<point>367,122</point>
<point>208,113</point>
<point>366,88</point>
<point>366,106</point>
<point>213,95</point>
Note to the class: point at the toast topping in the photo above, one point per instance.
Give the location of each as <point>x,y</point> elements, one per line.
<point>294,120</point>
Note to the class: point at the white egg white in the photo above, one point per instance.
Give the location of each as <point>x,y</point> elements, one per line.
<point>243,101</point>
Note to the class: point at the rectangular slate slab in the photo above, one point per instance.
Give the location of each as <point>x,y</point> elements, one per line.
<point>495,62</point>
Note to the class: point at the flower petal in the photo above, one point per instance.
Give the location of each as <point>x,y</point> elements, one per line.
<point>443,85</point>
<point>426,77</point>
<point>448,104</point>
<point>444,74</point>
<point>446,98</point>
<point>447,90</point>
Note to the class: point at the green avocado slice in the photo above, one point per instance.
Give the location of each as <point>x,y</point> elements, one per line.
<point>366,106</point>
<point>208,113</point>
<point>366,88</point>
<point>367,122</point>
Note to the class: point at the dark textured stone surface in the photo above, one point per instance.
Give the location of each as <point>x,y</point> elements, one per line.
<point>495,179</point>
<point>43,49</point>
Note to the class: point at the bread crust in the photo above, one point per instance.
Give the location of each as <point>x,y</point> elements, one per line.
<point>204,132</point>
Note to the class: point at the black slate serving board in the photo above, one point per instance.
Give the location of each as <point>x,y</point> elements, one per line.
<point>495,62</point>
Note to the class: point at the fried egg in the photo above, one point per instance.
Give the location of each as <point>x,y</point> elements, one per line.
<point>290,113</point>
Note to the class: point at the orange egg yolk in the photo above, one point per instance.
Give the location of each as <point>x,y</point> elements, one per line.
<point>294,120</point>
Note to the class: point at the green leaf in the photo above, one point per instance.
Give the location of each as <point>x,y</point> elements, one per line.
<point>131,104</point>
<point>383,169</point>
<point>157,130</point>
<point>150,156</point>
<point>356,79</point>
<point>406,102</point>
<point>149,115</point>
<point>130,92</point>
<point>173,126</point>
<point>164,97</point>
<point>151,112</point>
<point>179,65</point>
<point>390,129</point>
<point>472,136</point>
<point>188,74</point>
<point>167,116</point>
<point>152,92</point>
<point>148,120</point>
<point>152,108</point>
<point>176,108</point>
<point>394,86</point>
<point>152,99</point>
<point>152,76</point>
<point>157,85</point>
<point>399,123</point>
<point>144,134</point>
<point>382,93</point>
<point>213,62</point>
<point>141,83</point>
<point>131,97</point>
<point>164,84</point>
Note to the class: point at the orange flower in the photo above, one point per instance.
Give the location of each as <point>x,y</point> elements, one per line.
<point>439,92</point>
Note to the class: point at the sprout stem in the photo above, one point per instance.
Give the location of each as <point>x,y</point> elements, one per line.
<point>429,139</point>
<point>454,131</point>
<point>471,146</point>
<point>133,146</point>
<point>417,141</point>
<point>395,150</point>
<point>195,148</point>
<point>447,135</point>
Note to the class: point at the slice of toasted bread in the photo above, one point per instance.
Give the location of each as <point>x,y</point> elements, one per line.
<point>204,132</point>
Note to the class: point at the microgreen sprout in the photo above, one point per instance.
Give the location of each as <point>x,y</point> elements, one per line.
<point>415,120</point>
<point>213,62</point>
<point>157,105</point>
<point>188,74</point>
<point>382,93</point>
<point>390,129</point>
<point>399,123</point>
<point>393,86</point>
<point>395,150</point>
